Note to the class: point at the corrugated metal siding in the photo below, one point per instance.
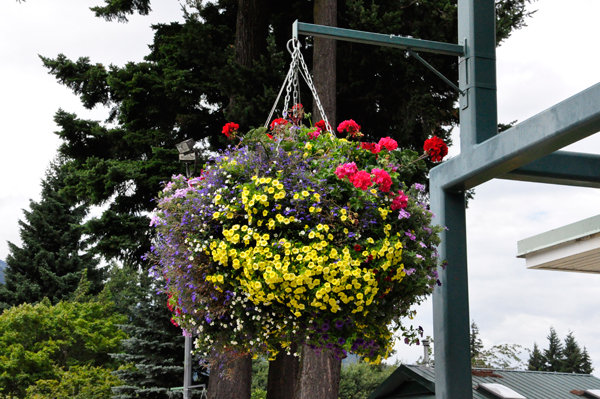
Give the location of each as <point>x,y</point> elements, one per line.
<point>531,384</point>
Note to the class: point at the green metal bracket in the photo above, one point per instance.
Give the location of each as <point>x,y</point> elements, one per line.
<point>399,42</point>
<point>438,73</point>
<point>356,36</point>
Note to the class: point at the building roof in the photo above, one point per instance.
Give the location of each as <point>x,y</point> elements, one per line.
<point>418,382</point>
<point>574,247</point>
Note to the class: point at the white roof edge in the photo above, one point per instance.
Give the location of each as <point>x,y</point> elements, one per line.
<point>571,232</point>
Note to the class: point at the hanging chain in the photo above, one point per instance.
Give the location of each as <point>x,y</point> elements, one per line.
<point>313,89</point>
<point>291,81</point>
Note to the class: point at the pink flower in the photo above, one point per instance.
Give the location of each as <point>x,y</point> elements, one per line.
<point>388,143</point>
<point>350,127</point>
<point>400,201</point>
<point>313,135</point>
<point>362,180</point>
<point>382,178</point>
<point>347,169</point>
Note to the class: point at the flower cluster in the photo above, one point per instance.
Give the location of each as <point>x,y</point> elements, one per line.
<point>297,238</point>
<point>230,129</point>
<point>436,148</point>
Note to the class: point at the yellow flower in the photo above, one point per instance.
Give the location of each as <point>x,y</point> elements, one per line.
<point>305,193</point>
<point>216,215</point>
<point>311,209</point>
<point>343,219</point>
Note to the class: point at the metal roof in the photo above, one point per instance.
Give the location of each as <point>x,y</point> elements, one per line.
<point>418,382</point>
<point>574,247</point>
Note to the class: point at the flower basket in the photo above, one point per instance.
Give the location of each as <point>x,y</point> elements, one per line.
<point>294,235</point>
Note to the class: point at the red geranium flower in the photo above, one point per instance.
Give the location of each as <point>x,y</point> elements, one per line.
<point>389,143</point>
<point>350,127</point>
<point>436,148</point>
<point>230,128</point>
<point>374,148</point>
<point>279,122</point>
<point>382,178</point>
<point>321,125</point>
<point>270,136</point>
<point>361,179</point>
<point>357,248</point>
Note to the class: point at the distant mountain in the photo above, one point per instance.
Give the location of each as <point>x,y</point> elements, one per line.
<point>2,267</point>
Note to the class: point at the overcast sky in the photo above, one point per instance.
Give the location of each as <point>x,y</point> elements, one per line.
<point>552,59</point>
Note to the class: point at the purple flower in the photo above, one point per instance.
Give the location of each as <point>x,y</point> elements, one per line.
<point>419,187</point>
<point>403,214</point>
<point>339,324</point>
<point>410,235</point>
<point>409,271</point>
<point>325,326</point>
<point>341,341</point>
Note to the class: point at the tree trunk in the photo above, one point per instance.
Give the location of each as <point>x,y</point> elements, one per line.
<point>324,62</point>
<point>232,380</point>
<point>283,373</point>
<point>251,31</point>
<point>319,376</point>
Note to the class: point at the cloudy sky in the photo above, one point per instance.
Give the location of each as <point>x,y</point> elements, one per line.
<point>548,61</point>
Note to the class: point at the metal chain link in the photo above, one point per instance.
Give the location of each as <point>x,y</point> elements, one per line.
<point>291,79</point>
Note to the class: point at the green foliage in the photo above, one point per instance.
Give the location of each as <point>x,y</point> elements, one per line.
<point>566,359</point>
<point>153,355</point>
<point>38,341</point>
<point>553,355</point>
<point>503,356</point>
<point>536,359</point>
<point>571,355</point>
<point>79,382</point>
<point>260,375</point>
<point>51,260</point>
<point>586,363</point>
<point>475,342</point>
<point>359,380</point>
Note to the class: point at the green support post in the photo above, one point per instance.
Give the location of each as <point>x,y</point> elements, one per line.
<point>477,72</point>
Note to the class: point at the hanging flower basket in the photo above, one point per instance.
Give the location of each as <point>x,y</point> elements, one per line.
<point>294,235</point>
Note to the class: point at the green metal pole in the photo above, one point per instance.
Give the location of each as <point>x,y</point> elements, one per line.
<point>477,72</point>
<point>451,300</point>
<point>478,122</point>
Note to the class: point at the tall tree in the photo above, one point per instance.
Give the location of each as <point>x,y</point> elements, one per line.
<point>324,61</point>
<point>585,366</point>
<point>553,356</point>
<point>572,355</point>
<point>51,259</point>
<point>153,355</point>
<point>476,343</point>
<point>536,360</point>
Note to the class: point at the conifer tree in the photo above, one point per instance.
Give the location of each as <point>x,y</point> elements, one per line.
<point>572,355</point>
<point>585,367</point>
<point>536,359</point>
<point>152,357</point>
<point>553,356</point>
<point>476,343</point>
<point>51,259</point>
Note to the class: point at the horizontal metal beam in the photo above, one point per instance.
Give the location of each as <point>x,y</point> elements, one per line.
<point>356,36</point>
<point>561,167</point>
<point>561,125</point>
